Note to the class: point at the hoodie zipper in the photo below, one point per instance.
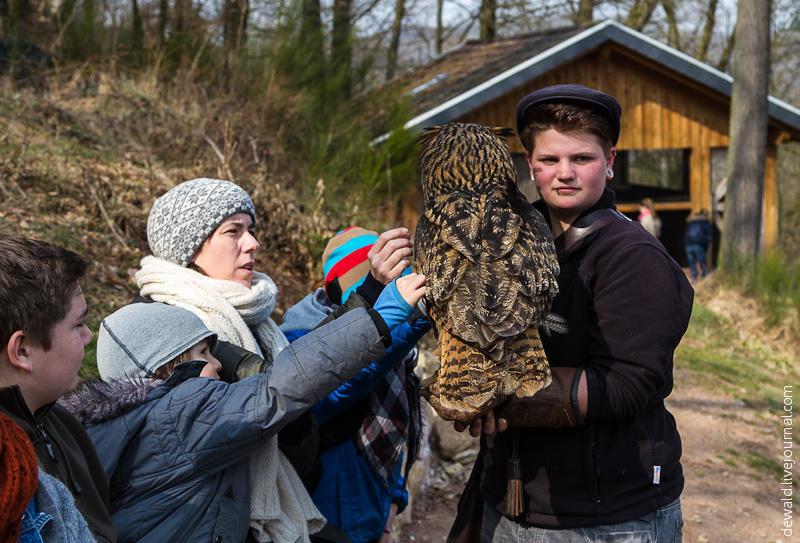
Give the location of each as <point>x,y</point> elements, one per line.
<point>72,482</point>
<point>48,444</point>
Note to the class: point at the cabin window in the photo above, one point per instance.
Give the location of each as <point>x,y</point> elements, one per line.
<point>661,174</point>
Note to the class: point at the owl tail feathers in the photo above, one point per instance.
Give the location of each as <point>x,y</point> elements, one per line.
<point>429,389</point>
<point>528,362</point>
<point>465,386</point>
<point>554,323</point>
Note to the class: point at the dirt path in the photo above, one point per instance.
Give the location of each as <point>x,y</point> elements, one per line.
<point>730,454</point>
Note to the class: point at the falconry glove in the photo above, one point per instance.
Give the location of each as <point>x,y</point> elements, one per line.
<point>555,406</point>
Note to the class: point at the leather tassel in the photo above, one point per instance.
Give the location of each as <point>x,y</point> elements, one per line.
<point>514,476</point>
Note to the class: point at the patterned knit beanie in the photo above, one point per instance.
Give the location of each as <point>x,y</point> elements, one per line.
<point>182,219</point>
<point>19,477</point>
<point>344,262</point>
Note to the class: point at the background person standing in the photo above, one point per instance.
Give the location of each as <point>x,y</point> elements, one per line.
<point>695,242</point>
<point>648,217</point>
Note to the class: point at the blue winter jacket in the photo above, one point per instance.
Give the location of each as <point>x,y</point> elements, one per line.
<point>349,493</point>
<point>698,230</point>
<point>176,452</point>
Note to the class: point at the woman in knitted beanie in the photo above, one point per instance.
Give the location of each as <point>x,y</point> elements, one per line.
<point>18,477</point>
<point>202,236</point>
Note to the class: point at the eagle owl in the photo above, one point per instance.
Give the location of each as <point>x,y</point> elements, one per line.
<point>491,271</point>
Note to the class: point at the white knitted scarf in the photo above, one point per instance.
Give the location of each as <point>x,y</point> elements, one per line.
<point>280,508</point>
<point>227,308</point>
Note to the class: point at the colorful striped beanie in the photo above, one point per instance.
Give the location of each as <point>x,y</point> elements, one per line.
<point>344,262</point>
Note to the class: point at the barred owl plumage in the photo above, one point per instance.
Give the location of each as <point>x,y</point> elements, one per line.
<point>491,272</point>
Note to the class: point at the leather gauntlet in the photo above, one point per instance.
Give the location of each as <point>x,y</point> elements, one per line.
<point>555,406</point>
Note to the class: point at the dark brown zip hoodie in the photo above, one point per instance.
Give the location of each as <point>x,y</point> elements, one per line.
<point>65,451</point>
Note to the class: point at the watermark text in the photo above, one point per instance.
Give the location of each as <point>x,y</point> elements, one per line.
<point>787,461</point>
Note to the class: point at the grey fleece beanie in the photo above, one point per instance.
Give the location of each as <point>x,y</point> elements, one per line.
<point>182,219</point>
<point>140,338</point>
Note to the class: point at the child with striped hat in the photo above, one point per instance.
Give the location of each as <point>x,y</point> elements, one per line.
<point>370,422</point>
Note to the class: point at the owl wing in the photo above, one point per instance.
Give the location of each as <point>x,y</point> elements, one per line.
<point>445,244</point>
<point>536,245</point>
<point>491,267</point>
<point>518,270</point>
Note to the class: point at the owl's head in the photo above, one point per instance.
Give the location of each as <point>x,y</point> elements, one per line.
<point>465,157</point>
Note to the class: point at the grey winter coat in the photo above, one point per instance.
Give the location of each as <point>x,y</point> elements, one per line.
<point>176,452</point>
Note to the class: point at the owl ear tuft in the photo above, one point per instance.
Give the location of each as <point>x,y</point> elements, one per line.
<point>429,133</point>
<point>502,132</point>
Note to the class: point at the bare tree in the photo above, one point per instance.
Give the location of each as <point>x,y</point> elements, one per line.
<point>585,13</point>
<point>311,28</point>
<point>748,136</point>
<point>725,57</point>
<point>234,23</point>
<point>488,19</point>
<point>640,13</point>
<point>701,53</point>
<point>674,36</point>
<point>439,26</point>
<point>394,42</point>
<point>137,31</point>
<point>163,19</point>
<point>341,44</point>
<point>180,16</point>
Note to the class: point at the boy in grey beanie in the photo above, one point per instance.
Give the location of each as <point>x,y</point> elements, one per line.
<point>177,446</point>
<point>139,339</point>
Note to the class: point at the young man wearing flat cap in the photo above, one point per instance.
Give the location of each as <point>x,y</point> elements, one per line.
<point>596,455</point>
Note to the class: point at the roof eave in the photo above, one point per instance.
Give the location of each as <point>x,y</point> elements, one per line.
<point>576,46</point>
<point>693,69</point>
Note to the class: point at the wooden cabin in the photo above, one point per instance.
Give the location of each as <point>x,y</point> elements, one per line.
<point>674,137</point>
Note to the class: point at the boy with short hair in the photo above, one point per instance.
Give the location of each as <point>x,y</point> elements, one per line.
<point>43,335</point>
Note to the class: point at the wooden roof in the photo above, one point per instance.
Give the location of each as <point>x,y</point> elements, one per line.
<point>478,72</point>
<point>463,68</point>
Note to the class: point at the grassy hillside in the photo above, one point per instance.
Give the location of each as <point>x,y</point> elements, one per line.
<point>81,164</point>
<point>733,346</point>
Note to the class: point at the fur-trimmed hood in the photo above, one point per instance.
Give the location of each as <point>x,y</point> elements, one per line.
<point>98,401</point>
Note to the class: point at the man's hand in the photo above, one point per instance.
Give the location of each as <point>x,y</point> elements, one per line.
<point>486,424</point>
<point>389,256</point>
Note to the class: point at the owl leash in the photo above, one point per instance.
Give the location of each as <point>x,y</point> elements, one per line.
<point>514,476</point>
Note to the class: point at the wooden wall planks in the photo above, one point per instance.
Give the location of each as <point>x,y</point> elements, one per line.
<point>662,109</point>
